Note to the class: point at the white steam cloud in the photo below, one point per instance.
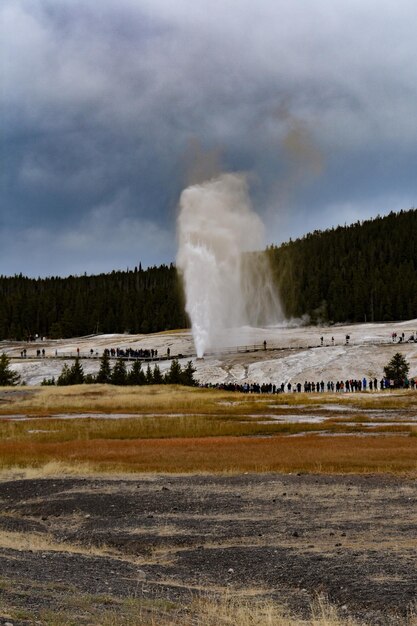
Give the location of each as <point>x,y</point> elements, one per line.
<point>224,287</point>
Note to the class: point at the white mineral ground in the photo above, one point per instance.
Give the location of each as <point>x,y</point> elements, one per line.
<point>293,354</point>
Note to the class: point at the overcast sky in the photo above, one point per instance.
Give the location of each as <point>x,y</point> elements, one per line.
<point>109,107</point>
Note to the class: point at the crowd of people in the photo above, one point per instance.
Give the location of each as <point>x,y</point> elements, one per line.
<point>116,353</point>
<point>340,386</point>
<point>401,338</point>
<point>130,353</point>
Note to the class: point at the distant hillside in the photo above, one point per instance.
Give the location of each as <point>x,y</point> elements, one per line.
<point>137,301</point>
<point>363,272</point>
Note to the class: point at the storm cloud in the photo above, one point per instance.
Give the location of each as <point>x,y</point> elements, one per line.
<point>102,105</point>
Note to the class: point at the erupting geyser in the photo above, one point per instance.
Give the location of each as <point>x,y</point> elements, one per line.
<point>224,287</point>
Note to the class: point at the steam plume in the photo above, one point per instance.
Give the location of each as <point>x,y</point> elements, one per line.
<point>225,288</point>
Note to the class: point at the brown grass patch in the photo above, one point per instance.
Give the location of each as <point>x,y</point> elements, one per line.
<point>176,429</point>
<point>46,430</point>
<point>46,543</point>
<point>308,453</point>
<point>222,609</point>
<point>112,399</point>
<point>187,400</point>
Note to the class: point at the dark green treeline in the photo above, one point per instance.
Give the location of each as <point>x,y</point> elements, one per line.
<point>363,272</point>
<point>136,301</point>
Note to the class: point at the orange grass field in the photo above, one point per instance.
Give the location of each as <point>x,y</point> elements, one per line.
<point>198,430</point>
<point>307,453</point>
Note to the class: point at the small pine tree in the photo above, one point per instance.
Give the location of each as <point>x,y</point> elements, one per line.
<point>47,382</point>
<point>73,375</point>
<point>7,376</point>
<point>158,379</point>
<point>64,377</point>
<point>119,374</point>
<point>188,375</point>
<point>104,373</point>
<point>174,374</point>
<point>397,369</point>
<point>136,375</point>
<point>149,375</point>
<point>76,373</point>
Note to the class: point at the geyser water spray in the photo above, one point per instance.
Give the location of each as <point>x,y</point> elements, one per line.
<point>224,287</point>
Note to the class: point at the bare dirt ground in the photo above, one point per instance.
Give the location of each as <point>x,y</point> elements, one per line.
<point>165,538</point>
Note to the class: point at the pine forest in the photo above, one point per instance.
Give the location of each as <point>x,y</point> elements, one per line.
<point>363,272</point>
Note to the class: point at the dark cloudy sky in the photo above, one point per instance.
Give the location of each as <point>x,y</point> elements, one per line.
<point>108,106</point>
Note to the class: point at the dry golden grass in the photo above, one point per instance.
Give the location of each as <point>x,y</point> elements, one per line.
<point>112,399</point>
<point>49,430</point>
<point>45,543</point>
<point>395,399</point>
<point>177,429</point>
<point>308,453</point>
<point>226,610</point>
<point>176,399</point>
<point>47,470</point>
<point>235,610</point>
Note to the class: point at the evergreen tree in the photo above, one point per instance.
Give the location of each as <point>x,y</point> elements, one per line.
<point>397,369</point>
<point>187,376</point>
<point>8,377</point>
<point>149,299</point>
<point>119,374</point>
<point>174,374</point>
<point>365,271</point>
<point>104,373</point>
<point>64,377</point>
<point>47,382</point>
<point>136,376</point>
<point>149,375</point>
<point>158,379</point>
<point>76,373</point>
<point>73,375</point>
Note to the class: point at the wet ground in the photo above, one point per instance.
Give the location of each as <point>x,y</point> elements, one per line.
<point>289,537</point>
